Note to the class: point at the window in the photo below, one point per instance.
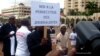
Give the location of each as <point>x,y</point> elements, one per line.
<point>69,6</point>
<point>76,2</point>
<point>82,5</point>
<point>76,5</point>
<point>69,3</point>
<point>82,2</point>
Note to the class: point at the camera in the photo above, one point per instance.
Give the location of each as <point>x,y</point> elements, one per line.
<point>88,40</point>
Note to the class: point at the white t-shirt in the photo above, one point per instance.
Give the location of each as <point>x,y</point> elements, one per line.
<point>12,48</point>
<point>62,41</point>
<point>72,38</point>
<point>21,35</point>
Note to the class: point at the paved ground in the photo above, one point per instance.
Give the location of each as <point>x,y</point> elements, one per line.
<point>1,54</point>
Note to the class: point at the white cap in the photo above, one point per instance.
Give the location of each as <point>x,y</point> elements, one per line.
<point>63,25</point>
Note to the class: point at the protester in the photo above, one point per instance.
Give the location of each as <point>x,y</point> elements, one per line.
<point>72,39</point>
<point>51,30</point>
<point>62,40</point>
<point>21,35</point>
<point>31,28</point>
<point>18,24</point>
<point>37,44</point>
<point>54,53</point>
<point>7,33</point>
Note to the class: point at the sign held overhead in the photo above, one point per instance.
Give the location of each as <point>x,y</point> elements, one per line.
<point>45,14</point>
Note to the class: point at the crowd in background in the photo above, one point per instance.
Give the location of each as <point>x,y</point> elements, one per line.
<point>23,40</point>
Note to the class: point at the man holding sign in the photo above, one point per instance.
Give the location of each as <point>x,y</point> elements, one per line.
<point>37,44</point>
<point>42,14</point>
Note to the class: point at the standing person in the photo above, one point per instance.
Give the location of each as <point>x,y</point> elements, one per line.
<point>37,44</point>
<point>18,24</point>
<point>51,30</point>
<point>7,34</point>
<point>21,35</point>
<point>72,39</point>
<point>62,40</point>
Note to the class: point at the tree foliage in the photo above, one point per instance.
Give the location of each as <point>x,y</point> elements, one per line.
<point>61,10</point>
<point>91,7</point>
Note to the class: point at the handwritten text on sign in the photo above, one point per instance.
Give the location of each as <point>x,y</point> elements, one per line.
<point>45,14</point>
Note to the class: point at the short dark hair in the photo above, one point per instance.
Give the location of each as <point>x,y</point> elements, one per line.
<point>73,30</point>
<point>12,17</point>
<point>25,22</point>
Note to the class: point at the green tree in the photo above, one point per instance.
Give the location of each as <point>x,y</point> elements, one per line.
<point>62,20</point>
<point>61,10</point>
<point>91,7</point>
<point>72,12</point>
<point>75,12</point>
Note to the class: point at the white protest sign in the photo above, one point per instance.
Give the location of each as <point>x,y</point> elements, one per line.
<point>45,14</point>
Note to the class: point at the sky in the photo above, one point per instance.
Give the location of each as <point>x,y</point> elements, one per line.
<point>7,3</point>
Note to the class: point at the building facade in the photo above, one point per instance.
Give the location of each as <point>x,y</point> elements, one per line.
<point>77,5</point>
<point>19,11</point>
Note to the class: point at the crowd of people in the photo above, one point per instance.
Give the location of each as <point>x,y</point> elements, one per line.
<point>24,41</point>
